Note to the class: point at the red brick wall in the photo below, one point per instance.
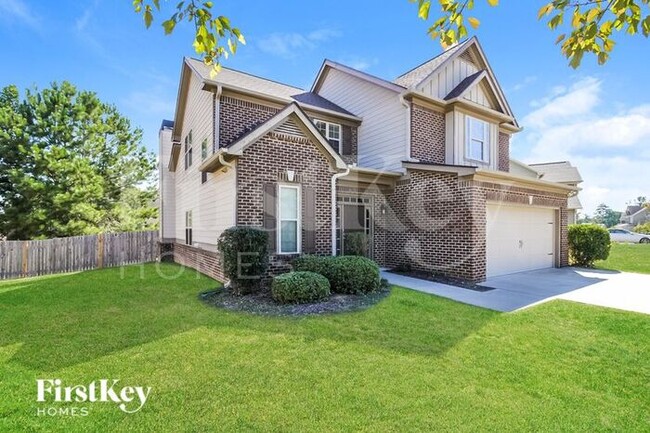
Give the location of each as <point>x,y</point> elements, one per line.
<point>504,152</point>
<point>438,224</point>
<point>266,161</point>
<point>427,135</point>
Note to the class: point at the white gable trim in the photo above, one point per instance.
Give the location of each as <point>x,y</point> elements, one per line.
<point>351,71</point>
<point>490,77</point>
<point>238,147</point>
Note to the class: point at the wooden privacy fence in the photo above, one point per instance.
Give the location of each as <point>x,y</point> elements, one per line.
<point>78,253</point>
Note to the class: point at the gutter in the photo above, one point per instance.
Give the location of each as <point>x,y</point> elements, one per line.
<point>335,177</point>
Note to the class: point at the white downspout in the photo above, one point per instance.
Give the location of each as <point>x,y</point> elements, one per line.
<point>223,161</point>
<point>217,118</point>
<point>407,105</point>
<point>334,179</point>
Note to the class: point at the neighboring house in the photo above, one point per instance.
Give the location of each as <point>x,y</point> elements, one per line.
<point>561,172</point>
<point>420,164</point>
<point>635,215</point>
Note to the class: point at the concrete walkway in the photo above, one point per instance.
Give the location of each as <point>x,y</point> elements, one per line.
<point>622,290</point>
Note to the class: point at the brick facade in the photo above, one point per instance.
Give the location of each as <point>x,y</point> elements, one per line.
<point>236,117</point>
<point>266,161</point>
<point>204,261</point>
<point>438,223</point>
<point>427,135</point>
<point>504,152</point>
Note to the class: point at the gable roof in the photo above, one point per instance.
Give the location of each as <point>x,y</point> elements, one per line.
<point>293,109</point>
<point>466,84</point>
<point>560,171</point>
<point>249,83</point>
<point>418,74</point>
<point>330,64</point>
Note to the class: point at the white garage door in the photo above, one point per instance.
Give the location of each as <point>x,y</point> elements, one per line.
<point>519,239</point>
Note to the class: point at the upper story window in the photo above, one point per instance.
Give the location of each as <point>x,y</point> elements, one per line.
<point>204,148</point>
<point>477,140</point>
<point>188,150</point>
<point>331,131</point>
<point>289,219</point>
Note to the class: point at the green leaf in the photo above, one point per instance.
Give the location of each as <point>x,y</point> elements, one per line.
<point>169,26</point>
<point>148,18</point>
<point>474,22</point>
<point>560,38</point>
<point>493,3</point>
<point>423,11</point>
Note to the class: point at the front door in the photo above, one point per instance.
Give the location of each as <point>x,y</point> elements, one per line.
<point>354,229</point>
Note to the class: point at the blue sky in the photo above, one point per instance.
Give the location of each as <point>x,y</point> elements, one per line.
<point>597,117</point>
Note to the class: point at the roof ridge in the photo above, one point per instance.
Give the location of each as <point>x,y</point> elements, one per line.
<point>252,75</point>
<point>457,46</point>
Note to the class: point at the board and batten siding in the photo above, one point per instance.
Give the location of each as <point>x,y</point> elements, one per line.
<point>212,203</point>
<point>449,77</point>
<point>455,142</point>
<point>382,134</point>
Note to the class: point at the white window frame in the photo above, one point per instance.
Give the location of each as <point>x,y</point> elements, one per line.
<point>327,132</point>
<point>485,140</point>
<point>188,150</point>
<point>188,226</point>
<point>298,220</point>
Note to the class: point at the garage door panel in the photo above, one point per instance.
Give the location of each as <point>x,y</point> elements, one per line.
<point>519,239</point>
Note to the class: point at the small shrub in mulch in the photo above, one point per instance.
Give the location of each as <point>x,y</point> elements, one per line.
<point>300,287</point>
<point>346,274</point>
<point>262,302</point>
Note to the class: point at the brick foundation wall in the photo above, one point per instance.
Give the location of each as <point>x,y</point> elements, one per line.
<point>504,152</point>
<point>438,224</point>
<point>206,262</point>
<point>266,161</point>
<point>427,135</point>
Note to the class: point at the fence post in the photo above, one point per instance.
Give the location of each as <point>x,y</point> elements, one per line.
<point>25,258</point>
<point>100,250</point>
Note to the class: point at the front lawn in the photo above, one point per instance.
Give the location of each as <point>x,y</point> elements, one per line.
<point>627,258</point>
<point>414,362</point>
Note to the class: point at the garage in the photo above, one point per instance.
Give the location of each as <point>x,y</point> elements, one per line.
<point>519,238</point>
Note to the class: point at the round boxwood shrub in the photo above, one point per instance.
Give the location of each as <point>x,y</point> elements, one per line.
<point>356,244</point>
<point>245,257</point>
<point>588,243</point>
<point>300,287</point>
<point>346,274</point>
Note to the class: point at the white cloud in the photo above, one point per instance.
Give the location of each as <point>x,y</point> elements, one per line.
<point>525,83</point>
<point>12,10</point>
<point>289,45</point>
<point>359,63</point>
<point>81,22</point>
<point>607,143</point>
<point>152,103</point>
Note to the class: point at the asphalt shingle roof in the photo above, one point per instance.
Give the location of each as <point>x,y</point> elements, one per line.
<point>562,172</point>
<point>265,86</point>
<point>419,73</point>
<point>463,85</point>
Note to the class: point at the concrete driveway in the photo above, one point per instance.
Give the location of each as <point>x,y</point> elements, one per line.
<point>622,290</point>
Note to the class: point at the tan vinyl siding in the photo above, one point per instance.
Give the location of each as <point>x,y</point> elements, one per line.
<point>382,134</point>
<point>212,203</point>
<point>166,180</point>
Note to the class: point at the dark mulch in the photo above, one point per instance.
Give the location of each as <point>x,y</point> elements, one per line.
<point>262,303</point>
<point>458,282</point>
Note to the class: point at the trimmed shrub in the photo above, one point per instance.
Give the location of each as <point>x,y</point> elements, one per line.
<point>346,274</point>
<point>588,243</point>
<point>642,228</point>
<point>356,244</point>
<point>244,252</point>
<point>300,287</point>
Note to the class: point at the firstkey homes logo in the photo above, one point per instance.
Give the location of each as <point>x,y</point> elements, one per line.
<point>129,399</point>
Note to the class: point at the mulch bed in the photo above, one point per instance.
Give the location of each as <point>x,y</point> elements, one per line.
<point>422,275</point>
<point>263,304</point>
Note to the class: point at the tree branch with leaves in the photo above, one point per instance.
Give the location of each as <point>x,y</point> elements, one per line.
<point>585,26</point>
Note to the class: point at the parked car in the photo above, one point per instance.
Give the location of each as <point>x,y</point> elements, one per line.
<point>620,235</point>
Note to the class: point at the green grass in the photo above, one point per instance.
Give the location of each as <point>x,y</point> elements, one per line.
<point>627,258</point>
<point>414,362</point>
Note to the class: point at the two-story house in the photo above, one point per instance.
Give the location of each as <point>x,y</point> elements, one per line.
<point>420,165</point>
